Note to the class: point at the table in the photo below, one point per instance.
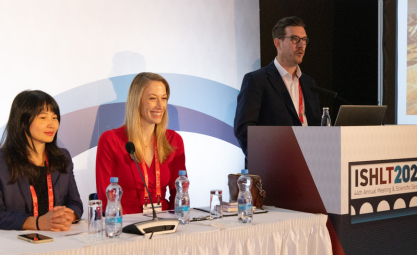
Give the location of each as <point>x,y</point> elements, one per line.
<point>279,231</point>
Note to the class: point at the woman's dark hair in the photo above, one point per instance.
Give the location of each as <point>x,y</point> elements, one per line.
<point>15,143</point>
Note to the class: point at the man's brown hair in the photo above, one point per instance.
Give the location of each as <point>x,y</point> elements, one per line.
<point>279,29</point>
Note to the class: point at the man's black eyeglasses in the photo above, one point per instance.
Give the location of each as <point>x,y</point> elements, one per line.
<point>296,39</point>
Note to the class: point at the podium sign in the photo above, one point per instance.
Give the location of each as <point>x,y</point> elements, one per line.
<point>364,178</point>
<point>382,189</point>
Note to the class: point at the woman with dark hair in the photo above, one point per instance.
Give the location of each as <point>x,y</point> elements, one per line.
<point>159,151</point>
<point>37,185</point>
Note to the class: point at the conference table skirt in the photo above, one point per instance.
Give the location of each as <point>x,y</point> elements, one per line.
<point>277,232</point>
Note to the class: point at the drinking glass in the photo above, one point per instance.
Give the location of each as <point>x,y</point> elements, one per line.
<point>216,207</point>
<point>95,220</point>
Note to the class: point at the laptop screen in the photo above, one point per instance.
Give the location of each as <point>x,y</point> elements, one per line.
<point>360,115</point>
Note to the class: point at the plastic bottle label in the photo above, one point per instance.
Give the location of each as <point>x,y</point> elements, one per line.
<point>114,220</point>
<point>244,207</point>
<point>183,208</point>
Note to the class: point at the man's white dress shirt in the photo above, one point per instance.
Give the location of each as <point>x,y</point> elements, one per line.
<point>292,87</point>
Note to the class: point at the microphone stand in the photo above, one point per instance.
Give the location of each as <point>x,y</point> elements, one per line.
<point>146,186</point>
<point>343,100</point>
<point>330,93</point>
<point>155,226</point>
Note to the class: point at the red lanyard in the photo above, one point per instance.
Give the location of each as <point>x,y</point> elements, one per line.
<point>157,173</point>
<point>300,102</point>
<point>50,192</point>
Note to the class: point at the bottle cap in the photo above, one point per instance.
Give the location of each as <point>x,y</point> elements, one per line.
<point>114,179</point>
<point>215,192</point>
<point>244,171</point>
<point>182,172</point>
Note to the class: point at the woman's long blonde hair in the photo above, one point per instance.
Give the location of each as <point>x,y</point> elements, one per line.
<point>133,121</point>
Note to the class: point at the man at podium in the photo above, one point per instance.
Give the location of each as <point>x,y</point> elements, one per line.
<point>279,94</point>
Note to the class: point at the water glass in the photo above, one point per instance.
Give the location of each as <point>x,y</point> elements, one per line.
<point>95,220</point>
<point>216,206</point>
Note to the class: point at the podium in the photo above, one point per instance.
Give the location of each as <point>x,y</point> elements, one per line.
<point>363,178</point>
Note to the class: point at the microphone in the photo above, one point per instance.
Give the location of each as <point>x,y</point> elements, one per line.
<point>154,226</point>
<point>130,147</point>
<point>326,92</point>
<point>329,93</point>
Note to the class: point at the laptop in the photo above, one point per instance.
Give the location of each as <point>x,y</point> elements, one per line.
<point>360,115</point>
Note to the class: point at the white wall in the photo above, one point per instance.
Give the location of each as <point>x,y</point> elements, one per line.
<point>78,50</point>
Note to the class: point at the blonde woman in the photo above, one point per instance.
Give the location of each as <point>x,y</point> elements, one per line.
<point>159,151</point>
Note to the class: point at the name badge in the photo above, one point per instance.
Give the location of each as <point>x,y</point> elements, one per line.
<point>148,208</point>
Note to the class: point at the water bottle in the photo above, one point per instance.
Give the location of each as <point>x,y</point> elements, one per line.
<point>325,119</point>
<point>244,198</point>
<point>114,212</point>
<point>182,199</point>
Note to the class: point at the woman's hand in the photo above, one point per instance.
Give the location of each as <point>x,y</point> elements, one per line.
<point>59,218</point>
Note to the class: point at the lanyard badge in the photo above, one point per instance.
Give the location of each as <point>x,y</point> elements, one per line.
<point>300,103</point>
<point>50,192</point>
<point>158,207</point>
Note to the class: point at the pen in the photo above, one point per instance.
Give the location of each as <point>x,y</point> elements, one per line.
<point>75,234</point>
<point>198,209</point>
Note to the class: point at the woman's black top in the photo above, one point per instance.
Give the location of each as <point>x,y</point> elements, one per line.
<point>41,189</point>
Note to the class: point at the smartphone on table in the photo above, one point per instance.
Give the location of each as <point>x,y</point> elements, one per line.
<point>35,238</point>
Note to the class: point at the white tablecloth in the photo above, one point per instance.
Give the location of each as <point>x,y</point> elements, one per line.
<point>277,232</point>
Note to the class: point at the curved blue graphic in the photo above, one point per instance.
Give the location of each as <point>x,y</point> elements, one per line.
<point>206,96</point>
<point>80,130</point>
<point>196,105</point>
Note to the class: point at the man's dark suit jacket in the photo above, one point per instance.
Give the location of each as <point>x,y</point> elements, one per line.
<point>264,101</point>
<point>16,200</point>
